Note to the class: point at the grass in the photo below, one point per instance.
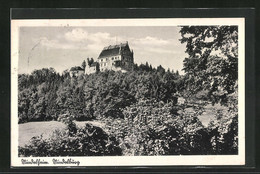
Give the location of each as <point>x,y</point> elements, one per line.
<point>31,129</point>
<point>45,128</point>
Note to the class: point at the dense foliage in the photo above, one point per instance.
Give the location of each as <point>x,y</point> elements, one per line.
<point>212,63</point>
<point>44,94</point>
<point>155,128</point>
<point>211,72</point>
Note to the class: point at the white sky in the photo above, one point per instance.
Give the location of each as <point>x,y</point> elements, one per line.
<point>64,47</point>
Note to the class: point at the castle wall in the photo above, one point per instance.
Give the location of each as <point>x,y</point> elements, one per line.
<point>124,59</point>
<point>108,63</point>
<point>90,70</point>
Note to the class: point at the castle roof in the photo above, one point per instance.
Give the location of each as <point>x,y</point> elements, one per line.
<point>76,68</point>
<point>113,50</point>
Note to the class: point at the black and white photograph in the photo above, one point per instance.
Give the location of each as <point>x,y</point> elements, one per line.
<point>93,92</point>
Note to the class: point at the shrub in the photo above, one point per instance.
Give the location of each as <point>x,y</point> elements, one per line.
<point>154,128</point>
<point>87,141</point>
<point>67,119</point>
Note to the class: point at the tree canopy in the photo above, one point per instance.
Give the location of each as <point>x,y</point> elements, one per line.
<point>212,61</point>
<point>44,94</point>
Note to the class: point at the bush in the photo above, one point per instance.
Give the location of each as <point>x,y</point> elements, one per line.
<point>154,128</point>
<point>67,119</point>
<point>87,141</point>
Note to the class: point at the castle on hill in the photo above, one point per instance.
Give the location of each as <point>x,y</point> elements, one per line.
<point>113,57</point>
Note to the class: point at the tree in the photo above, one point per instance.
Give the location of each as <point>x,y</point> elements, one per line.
<point>144,67</point>
<point>150,68</point>
<point>90,61</point>
<point>177,73</point>
<point>83,64</point>
<point>160,69</point>
<point>213,59</point>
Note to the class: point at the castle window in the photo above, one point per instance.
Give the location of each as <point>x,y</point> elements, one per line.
<point>112,58</point>
<point>106,59</point>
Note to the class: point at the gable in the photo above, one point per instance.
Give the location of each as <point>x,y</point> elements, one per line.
<point>113,50</point>
<point>109,52</point>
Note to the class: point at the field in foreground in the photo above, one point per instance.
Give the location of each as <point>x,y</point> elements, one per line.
<point>44,128</point>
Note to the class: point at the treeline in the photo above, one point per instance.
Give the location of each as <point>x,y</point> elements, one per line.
<point>45,94</point>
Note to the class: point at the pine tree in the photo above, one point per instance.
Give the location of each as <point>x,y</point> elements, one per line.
<point>83,64</point>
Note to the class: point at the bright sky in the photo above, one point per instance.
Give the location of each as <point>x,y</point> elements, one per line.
<point>64,47</point>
